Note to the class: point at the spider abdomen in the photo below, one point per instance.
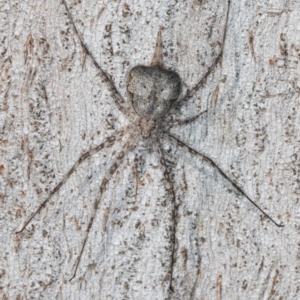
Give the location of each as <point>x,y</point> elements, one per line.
<point>152,90</point>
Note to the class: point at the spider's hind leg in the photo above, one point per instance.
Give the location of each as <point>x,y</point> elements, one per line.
<point>190,93</point>
<point>121,104</point>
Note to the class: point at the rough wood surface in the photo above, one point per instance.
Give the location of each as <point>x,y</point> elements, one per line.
<point>54,107</point>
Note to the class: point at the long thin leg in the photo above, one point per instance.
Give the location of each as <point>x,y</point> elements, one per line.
<point>187,121</point>
<point>135,177</point>
<point>213,164</point>
<point>129,144</point>
<point>202,81</point>
<point>121,104</point>
<point>108,142</point>
<point>171,191</point>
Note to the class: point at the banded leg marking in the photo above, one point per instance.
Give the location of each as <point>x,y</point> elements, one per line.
<point>214,165</point>
<point>188,120</point>
<point>109,141</point>
<point>121,104</point>
<point>202,81</point>
<point>171,190</point>
<point>129,144</point>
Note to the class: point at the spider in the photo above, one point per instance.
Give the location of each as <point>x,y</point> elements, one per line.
<point>154,94</point>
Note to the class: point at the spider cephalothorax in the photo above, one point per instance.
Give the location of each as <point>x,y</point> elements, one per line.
<point>147,126</point>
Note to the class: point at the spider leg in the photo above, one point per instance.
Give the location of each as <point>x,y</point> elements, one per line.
<point>170,190</point>
<point>108,142</point>
<point>188,120</point>
<point>213,164</point>
<point>129,144</point>
<point>121,104</point>
<point>202,81</point>
<point>135,177</point>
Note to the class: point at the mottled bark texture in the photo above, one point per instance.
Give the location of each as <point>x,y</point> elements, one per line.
<point>55,105</point>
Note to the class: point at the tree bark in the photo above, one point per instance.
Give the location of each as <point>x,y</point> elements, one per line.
<point>55,106</point>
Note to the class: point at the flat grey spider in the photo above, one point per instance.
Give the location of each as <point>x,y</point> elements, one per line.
<point>154,94</point>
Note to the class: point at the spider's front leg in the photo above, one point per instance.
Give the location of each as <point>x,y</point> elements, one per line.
<point>171,191</point>
<point>214,165</point>
<point>109,142</point>
<point>129,145</point>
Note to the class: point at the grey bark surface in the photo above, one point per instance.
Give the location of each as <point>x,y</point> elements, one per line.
<point>54,107</point>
